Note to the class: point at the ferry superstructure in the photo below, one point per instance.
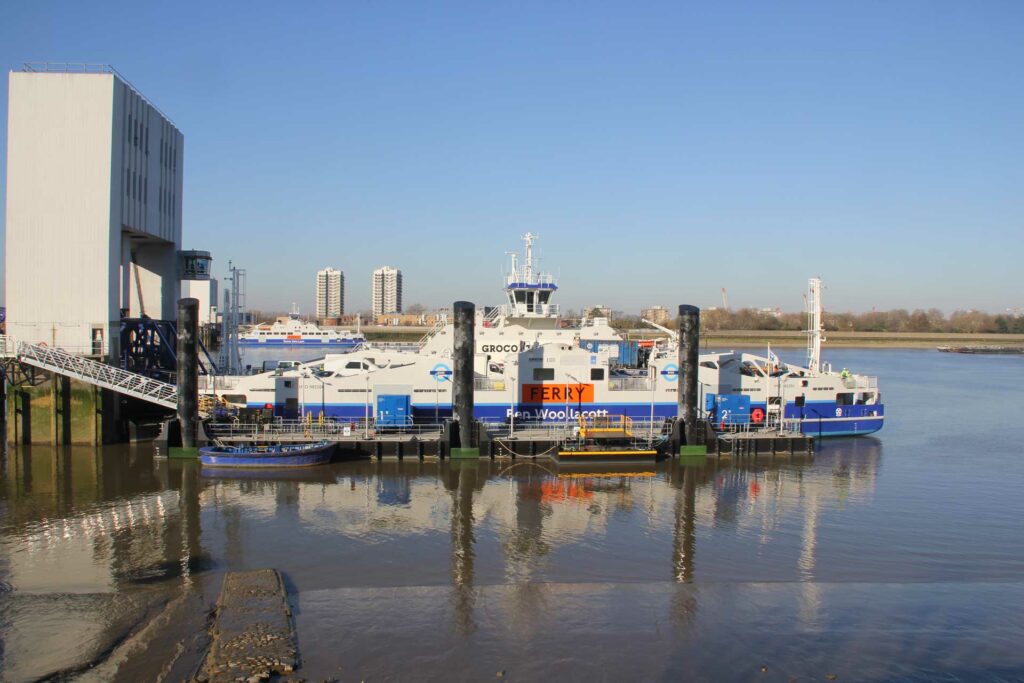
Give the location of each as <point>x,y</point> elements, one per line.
<point>298,332</point>
<point>531,365</point>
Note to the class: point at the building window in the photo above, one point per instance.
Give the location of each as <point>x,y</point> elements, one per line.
<point>147,140</point>
<point>543,374</point>
<point>145,191</point>
<point>128,182</point>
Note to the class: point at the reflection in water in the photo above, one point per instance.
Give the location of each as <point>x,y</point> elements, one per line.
<point>114,521</point>
<point>462,478</point>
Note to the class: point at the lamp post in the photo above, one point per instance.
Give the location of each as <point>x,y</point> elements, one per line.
<point>573,378</point>
<point>654,386</point>
<point>323,394</point>
<point>512,406</point>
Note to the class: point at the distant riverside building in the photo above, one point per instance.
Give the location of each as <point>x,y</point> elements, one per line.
<point>387,291</point>
<point>330,293</point>
<point>656,314</point>
<point>411,319</point>
<point>94,196</point>
<point>599,311</point>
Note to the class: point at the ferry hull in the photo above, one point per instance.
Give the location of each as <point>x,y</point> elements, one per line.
<point>818,419</point>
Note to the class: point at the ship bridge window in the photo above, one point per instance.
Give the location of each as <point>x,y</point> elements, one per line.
<point>845,399</point>
<point>597,374</point>
<point>236,399</point>
<point>866,397</point>
<point>709,364</point>
<point>749,369</point>
<point>543,295</point>
<point>356,365</point>
<point>543,374</point>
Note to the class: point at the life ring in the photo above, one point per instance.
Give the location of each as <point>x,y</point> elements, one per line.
<point>757,416</point>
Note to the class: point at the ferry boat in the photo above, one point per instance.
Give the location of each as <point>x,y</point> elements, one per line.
<point>533,365</point>
<point>296,331</point>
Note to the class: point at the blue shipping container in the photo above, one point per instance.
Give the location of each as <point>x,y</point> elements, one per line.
<point>394,410</point>
<point>730,409</point>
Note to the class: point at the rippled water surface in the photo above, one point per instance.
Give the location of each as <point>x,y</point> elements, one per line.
<point>891,558</point>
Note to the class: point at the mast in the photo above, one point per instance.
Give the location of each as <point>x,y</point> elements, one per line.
<point>528,265</point>
<point>815,328</point>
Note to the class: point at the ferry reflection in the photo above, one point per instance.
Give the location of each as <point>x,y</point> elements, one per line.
<point>104,520</point>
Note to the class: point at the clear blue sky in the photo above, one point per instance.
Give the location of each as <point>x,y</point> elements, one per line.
<point>661,150</point>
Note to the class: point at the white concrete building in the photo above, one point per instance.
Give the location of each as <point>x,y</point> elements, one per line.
<point>387,290</point>
<point>94,185</point>
<point>206,292</point>
<point>330,293</point>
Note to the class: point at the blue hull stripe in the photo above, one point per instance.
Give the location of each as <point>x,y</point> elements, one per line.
<point>818,419</point>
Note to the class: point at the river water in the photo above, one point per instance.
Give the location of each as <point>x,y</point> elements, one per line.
<point>892,558</point>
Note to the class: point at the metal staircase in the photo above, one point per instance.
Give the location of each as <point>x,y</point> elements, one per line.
<point>432,332</point>
<point>100,374</point>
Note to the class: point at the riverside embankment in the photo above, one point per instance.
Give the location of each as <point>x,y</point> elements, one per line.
<point>781,338</point>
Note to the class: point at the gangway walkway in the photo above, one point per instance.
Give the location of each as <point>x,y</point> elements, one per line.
<point>93,372</point>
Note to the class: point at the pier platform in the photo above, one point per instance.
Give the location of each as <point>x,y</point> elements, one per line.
<point>558,441</point>
<point>765,443</point>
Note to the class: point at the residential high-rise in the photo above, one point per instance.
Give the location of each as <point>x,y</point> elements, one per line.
<point>659,315</point>
<point>387,290</point>
<point>330,293</point>
<point>94,184</point>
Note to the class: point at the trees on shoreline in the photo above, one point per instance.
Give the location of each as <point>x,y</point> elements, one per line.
<point>898,320</point>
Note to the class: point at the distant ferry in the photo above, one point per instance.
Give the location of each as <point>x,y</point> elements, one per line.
<point>298,332</point>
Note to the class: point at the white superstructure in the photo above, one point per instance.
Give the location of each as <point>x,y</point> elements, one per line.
<point>94,197</point>
<point>387,290</point>
<point>330,293</point>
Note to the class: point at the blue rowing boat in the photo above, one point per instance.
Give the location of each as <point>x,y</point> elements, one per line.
<point>292,455</point>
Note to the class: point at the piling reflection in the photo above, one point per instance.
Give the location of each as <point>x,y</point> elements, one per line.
<point>461,481</point>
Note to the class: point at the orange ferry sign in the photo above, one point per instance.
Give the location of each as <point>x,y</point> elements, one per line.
<point>558,393</point>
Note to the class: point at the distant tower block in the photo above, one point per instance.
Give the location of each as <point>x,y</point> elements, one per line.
<point>330,293</point>
<point>387,291</point>
<point>94,186</point>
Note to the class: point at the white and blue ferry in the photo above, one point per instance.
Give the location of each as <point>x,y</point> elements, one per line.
<point>294,331</point>
<point>532,365</point>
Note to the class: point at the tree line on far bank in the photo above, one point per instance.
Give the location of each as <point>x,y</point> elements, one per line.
<point>899,320</point>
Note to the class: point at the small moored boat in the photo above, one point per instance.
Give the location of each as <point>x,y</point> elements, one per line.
<point>292,455</point>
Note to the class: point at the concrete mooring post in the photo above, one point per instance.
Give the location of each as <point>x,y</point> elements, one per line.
<point>687,392</point>
<point>464,441</point>
<point>188,377</point>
